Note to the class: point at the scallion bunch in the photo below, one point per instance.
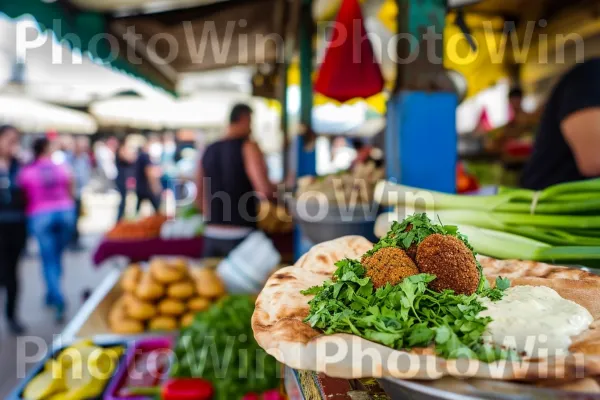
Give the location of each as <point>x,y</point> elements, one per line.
<point>558,224</point>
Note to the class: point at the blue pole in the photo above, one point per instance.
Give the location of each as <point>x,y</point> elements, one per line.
<point>421,138</point>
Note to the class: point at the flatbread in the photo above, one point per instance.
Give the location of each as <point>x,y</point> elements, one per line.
<point>521,269</point>
<point>279,328</point>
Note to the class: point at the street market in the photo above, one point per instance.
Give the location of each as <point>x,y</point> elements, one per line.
<point>331,199</point>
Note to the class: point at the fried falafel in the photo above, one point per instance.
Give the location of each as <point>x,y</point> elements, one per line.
<point>388,265</point>
<point>451,261</point>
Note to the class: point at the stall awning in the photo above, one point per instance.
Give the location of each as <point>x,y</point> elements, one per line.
<point>213,36</point>
<point>89,27</point>
<point>68,84</point>
<point>33,116</point>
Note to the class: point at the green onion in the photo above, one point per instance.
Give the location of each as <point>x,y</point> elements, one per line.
<point>562,220</point>
<point>507,245</point>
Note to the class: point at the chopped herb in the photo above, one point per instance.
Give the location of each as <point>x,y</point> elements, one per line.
<point>496,293</point>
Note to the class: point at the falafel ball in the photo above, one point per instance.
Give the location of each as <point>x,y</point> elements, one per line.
<point>451,261</point>
<point>389,265</point>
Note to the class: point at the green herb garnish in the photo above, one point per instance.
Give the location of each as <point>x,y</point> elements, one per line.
<point>496,293</point>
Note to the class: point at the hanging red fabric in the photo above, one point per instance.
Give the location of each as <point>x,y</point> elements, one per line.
<point>350,68</point>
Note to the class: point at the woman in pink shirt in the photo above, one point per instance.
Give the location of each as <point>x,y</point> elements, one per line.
<point>50,210</point>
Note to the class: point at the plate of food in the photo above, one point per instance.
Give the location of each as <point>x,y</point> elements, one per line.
<point>419,305</point>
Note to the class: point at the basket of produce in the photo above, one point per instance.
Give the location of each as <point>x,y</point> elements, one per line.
<point>164,297</point>
<point>420,305</point>
<point>146,228</point>
<point>337,205</point>
<point>80,371</point>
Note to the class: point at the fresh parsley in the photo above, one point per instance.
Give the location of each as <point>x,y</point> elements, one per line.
<point>404,316</point>
<point>496,293</point>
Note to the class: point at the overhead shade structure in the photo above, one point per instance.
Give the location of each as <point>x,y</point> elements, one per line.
<point>208,111</point>
<point>202,111</point>
<point>219,35</point>
<point>33,116</point>
<point>67,83</point>
<point>145,5</point>
<point>67,23</point>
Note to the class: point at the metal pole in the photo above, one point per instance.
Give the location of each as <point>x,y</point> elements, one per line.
<point>306,63</point>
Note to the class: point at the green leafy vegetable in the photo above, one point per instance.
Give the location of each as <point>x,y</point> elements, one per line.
<point>406,315</point>
<point>497,293</point>
<point>502,283</point>
<point>220,346</point>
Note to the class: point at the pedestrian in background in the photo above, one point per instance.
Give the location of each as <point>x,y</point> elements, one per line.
<point>82,173</point>
<point>105,153</point>
<point>125,172</point>
<point>50,210</point>
<point>147,179</point>
<point>13,233</point>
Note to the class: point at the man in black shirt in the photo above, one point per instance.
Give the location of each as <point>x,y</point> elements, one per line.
<point>567,145</point>
<point>231,178</point>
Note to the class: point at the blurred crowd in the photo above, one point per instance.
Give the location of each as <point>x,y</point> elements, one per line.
<point>42,187</point>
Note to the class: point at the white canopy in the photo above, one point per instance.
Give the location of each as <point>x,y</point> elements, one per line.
<point>35,117</point>
<point>53,73</point>
<point>208,111</point>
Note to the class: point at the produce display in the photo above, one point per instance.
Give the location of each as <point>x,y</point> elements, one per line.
<point>356,186</point>
<point>146,228</point>
<point>182,228</point>
<point>274,218</point>
<point>224,330</point>
<point>163,298</point>
<point>558,224</point>
<point>420,299</point>
<point>78,372</point>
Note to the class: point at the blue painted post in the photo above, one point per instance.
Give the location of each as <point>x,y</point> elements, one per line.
<point>421,138</point>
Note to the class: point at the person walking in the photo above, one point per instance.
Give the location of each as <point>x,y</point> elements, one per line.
<point>125,172</point>
<point>147,179</point>
<point>50,210</point>
<point>13,233</point>
<point>82,172</point>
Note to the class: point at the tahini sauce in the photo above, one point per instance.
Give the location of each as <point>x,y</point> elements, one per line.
<point>534,320</point>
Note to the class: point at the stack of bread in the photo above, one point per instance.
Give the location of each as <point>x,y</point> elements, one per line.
<point>165,297</point>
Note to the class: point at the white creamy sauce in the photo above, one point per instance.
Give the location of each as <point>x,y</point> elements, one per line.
<point>534,320</point>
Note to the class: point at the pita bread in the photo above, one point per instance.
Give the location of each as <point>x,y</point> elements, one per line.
<point>279,328</point>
